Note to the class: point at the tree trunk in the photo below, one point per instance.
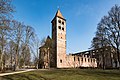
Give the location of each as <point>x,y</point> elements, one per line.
<point>48,59</point>
<point>11,61</point>
<point>103,62</point>
<point>118,60</point>
<point>16,61</point>
<point>2,45</point>
<point>103,55</point>
<point>111,59</point>
<point>37,65</point>
<point>2,67</point>
<point>24,64</point>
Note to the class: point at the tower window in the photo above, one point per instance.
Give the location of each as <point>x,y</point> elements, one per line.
<point>60,60</point>
<point>63,23</point>
<point>63,29</point>
<point>78,59</point>
<point>59,21</point>
<point>59,27</point>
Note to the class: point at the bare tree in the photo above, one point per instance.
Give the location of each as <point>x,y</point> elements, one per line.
<point>36,50</point>
<point>17,34</point>
<point>6,10</point>
<point>28,38</point>
<point>100,41</point>
<point>111,27</point>
<point>3,42</point>
<point>11,52</point>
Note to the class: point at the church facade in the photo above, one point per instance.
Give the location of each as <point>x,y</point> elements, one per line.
<point>55,56</point>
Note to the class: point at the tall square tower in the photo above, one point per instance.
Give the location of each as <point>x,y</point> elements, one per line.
<point>59,39</point>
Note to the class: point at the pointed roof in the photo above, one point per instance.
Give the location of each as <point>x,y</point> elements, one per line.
<point>58,14</point>
<point>48,37</point>
<point>47,42</point>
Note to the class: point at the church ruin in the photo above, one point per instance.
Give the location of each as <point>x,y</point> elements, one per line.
<point>53,52</point>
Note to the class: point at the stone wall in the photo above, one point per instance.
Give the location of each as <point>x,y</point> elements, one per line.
<point>73,61</point>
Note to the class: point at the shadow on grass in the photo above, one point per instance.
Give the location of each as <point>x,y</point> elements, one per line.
<point>16,77</point>
<point>6,78</point>
<point>24,77</point>
<point>107,73</point>
<point>39,77</point>
<point>56,74</point>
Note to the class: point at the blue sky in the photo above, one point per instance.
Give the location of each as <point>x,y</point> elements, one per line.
<point>82,18</point>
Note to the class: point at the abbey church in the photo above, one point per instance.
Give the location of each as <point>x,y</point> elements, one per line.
<point>53,52</point>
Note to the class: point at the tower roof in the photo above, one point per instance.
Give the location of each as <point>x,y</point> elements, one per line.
<point>48,37</point>
<point>58,14</point>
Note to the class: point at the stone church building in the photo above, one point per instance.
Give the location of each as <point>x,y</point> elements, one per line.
<point>53,52</point>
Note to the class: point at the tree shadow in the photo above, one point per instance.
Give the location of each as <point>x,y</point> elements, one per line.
<point>16,77</point>
<point>107,73</point>
<point>24,77</point>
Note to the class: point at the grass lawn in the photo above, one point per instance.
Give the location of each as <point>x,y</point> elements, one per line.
<point>66,74</point>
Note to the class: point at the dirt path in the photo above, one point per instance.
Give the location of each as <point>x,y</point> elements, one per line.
<point>4,74</point>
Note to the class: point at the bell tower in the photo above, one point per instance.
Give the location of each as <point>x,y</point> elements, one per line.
<point>59,39</point>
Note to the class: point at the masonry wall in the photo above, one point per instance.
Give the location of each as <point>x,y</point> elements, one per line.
<point>61,42</point>
<point>80,61</point>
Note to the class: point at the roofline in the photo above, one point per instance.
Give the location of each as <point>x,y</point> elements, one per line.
<point>92,50</point>
<point>58,17</point>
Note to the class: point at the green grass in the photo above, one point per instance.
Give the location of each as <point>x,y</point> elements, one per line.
<point>66,74</point>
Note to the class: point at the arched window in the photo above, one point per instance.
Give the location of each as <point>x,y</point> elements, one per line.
<point>85,59</point>
<point>78,59</point>
<point>60,60</point>
<point>82,59</point>
<point>63,29</point>
<point>88,60</point>
<point>59,21</point>
<point>59,27</point>
<point>63,23</point>
<point>74,58</point>
<point>91,60</point>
